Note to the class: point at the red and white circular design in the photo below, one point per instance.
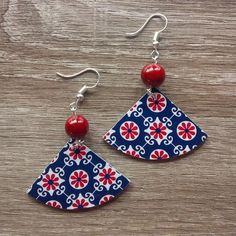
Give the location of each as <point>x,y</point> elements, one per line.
<point>79,179</point>
<point>186,130</point>
<point>105,199</point>
<point>129,130</point>
<point>54,204</point>
<point>159,154</point>
<point>156,102</point>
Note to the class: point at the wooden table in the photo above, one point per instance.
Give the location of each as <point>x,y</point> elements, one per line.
<point>191,196</point>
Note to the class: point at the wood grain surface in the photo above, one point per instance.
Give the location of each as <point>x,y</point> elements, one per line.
<point>195,195</point>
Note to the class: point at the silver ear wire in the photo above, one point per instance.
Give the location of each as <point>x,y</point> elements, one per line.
<point>155,44</point>
<point>80,95</point>
<point>80,73</point>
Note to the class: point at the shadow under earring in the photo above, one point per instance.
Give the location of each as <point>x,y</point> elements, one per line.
<point>154,128</point>
<point>77,177</point>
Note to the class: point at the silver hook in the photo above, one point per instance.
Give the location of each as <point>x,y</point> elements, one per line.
<point>156,35</point>
<point>80,95</point>
<point>80,73</point>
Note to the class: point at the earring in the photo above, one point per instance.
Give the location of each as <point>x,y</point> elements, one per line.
<point>77,177</point>
<point>154,128</point>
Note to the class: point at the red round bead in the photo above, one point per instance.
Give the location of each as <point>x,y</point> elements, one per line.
<point>76,126</point>
<point>153,75</point>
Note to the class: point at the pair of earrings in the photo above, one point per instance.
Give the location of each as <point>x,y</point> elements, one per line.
<point>153,129</point>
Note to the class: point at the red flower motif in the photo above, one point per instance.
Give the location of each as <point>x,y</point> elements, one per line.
<point>77,151</point>
<point>186,130</point>
<point>133,107</point>
<point>80,203</point>
<point>159,154</point>
<point>129,130</point>
<point>107,176</point>
<point>156,102</point>
<point>158,130</point>
<point>79,179</point>
<point>106,199</point>
<point>54,204</point>
<point>133,153</point>
<point>50,182</point>
<point>106,136</point>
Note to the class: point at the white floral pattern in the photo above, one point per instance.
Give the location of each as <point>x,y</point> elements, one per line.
<point>107,176</point>
<point>158,131</point>
<point>50,182</point>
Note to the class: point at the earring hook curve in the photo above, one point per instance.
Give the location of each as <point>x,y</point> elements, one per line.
<point>156,35</point>
<point>80,73</point>
<point>80,95</point>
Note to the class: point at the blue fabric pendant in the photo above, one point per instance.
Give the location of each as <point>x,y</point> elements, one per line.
<point>77,178</point>
<point>155,129</point>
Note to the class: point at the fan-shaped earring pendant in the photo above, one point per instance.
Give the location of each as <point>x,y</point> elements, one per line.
<point>155,129</point>
<point>77,178</point>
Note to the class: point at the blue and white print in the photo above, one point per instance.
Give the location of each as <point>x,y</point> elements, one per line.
<point>77,178</point>
<point>155,129</point>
